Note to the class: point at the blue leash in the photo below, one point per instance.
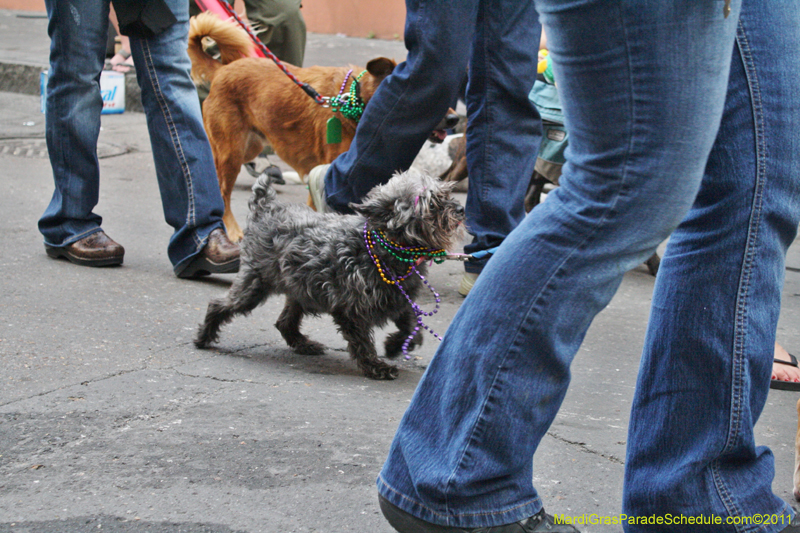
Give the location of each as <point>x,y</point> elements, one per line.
<point>471,257</point>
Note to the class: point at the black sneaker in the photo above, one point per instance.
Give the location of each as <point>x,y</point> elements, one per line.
<point>404,522</point>
<point>794,525</point>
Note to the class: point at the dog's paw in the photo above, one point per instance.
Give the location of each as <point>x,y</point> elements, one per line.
<point>394,344</point>
<point>380,370</point>
<point>204,338</point>
<point>309,347</point>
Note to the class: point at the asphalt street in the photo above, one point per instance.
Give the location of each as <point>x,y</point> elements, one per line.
<point>111,420</point>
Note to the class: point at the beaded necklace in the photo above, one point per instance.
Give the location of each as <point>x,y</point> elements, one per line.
<point>350,105</point>
<point>413,256</point>
<point>408,254</point>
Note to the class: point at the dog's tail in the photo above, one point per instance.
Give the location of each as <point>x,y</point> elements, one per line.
<point>232,41</point>
<point>263,194</point>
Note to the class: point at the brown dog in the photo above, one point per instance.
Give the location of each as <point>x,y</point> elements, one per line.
<point>252,103</point>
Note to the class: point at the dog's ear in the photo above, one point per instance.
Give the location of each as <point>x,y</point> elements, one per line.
<point>384,209</point>
<point>380,67</point>
<point>376,209</point>
<point>395,216</point>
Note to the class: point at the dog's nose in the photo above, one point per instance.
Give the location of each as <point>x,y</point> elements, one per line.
<point>451,121</point>
<point>460,210</point>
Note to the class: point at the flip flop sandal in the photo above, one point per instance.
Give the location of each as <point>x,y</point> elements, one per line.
<point>126,67</point>
<point>126,61</point>
<point>786,385</point>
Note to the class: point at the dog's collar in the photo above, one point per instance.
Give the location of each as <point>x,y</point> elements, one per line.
<point>351,105</point>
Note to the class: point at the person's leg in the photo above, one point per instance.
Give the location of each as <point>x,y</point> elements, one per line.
<point>280,26</point>
<point>708,354</point>
<point>122,60</point>
<point>504,129</point>
<point>184,165</point>
<point>78,32</point>
<point>463,453</point>
<point>409,103</point>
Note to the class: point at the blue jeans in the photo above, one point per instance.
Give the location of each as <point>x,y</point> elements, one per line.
<point>758,197</point>
<point>644,95</point>
<point>504,128</point>
<point>184,165</point>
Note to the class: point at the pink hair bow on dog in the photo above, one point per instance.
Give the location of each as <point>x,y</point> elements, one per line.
<point>416,200</point>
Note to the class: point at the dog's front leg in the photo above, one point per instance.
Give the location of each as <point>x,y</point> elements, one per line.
<point>289,326</point>
<point>405,323</point>
<point>227,172</point>
<point>232,229</point>
<point>361,346</point>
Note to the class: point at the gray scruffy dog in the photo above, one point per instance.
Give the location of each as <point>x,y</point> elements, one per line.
<point>322,265</point>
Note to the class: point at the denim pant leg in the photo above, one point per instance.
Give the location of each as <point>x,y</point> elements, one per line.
<point>504,130</point>
<point>184,164</point>
<point>78,31</point>
<point>409,103</point>
<point>708,354</point>
<point>463,453</point>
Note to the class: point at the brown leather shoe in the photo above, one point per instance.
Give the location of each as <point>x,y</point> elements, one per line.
<point>96,250</point>
<point>219,256</point>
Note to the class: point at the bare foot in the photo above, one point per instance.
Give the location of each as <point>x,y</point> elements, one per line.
<point>783,372</point>
<point>121,62</point>
<point>124,67</point>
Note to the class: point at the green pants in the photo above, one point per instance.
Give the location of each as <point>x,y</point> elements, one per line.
<point>280,26</point>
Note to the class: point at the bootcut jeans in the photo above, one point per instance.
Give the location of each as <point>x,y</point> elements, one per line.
<point>679,118</point>
<point>184,165</point>
<point>504,127</point>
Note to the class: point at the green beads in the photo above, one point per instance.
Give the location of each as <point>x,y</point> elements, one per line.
<point>350,105</point>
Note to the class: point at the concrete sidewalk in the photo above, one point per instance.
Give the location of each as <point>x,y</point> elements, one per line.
<point>111,420</point>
